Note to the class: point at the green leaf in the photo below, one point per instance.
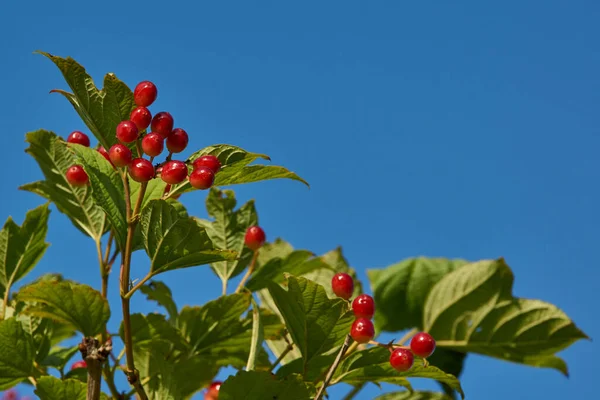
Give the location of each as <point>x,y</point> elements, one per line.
<point>173,241</point>
<point>257,337</point>
<point>254,385</point>
<point>400,290</point>
<point>54,158</point>
<point>202,372</point>
<point>413,396</point>
<point>101,110</point>
<point>51,388</point>
<point>16,353</point>
<point>373,365</point>
<point>21,247</point>
<point>228,229</point>
<point>147,330</point>
<point>159,292</point>
<point>316,323</point>
<point>449,361</point>
<point>476,301</point>
<point>59,357</point>
<point>107,189</point>
<point>75,304</point>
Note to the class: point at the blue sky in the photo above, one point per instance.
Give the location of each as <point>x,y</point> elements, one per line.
<point>466,130</point>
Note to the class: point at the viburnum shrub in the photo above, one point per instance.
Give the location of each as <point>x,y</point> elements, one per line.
<point>295,325</point>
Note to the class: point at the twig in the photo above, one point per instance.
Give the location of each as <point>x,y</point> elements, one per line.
<point>94,355</point>
<point>248,272</point>
<point>285,352</point>
<point>333,367</point>
<point>138,285</point>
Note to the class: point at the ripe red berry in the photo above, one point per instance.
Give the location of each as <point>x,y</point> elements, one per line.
<point>162,123</point>
<point>363,306</point>
<point>141,117</point>
<point>120,155</point>
<point>141,170</point>
<point>422,344</point>
<point>127,132</point>
<point>402,359</point>
<point>177,141</point>
<point>362,330</point>
<point>79,138</point>
<point>79,364</point>
<point>145,93</point>
<point>255,238</point>
<point>209,161</point>
<point>76,176</point>
<point>342,285</point>
<point>202,178</point>
<point>153,144</point>
<point>174,172</point>
<point>104,153</point>
<point>212,393</point>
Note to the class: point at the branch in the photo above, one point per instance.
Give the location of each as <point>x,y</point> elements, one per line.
<point>248,272</point>
<point>334,367</point>
<point>94,356</point>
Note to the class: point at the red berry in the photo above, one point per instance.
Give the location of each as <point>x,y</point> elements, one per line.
<point>362,330</point>
<point>76,176</point>
<point>402,359</point>
<point>177,141</point>
<point>174,172</point>
<point>104,153</point>
<point>342,285</point>
<point>79,364</point>
<point>202,178</point>
<point>363,306</point>
<point>162,123</point>
<point>120,155</point>
<point>141,117</point>
<point>212,393</point>
<point>153,144</point>
<point>79,138</point>
<point>209,161</point>
<point>145,93</point>
<point>422,344</point>
<point>127,132</point>
<point>255,238</point>
<point>10,395</point>
<point>141,170</point>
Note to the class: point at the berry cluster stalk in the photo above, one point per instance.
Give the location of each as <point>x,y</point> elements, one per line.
<point>333,367</point>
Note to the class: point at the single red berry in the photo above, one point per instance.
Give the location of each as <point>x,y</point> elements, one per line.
<point>177,141</point>
<point>79,138</point>
<point>120,155</point>
<point>104,153</point>
<point>162,123</point>
<point>255,238</point>
<point>402,359</point>
<point>141,170</point>
<point>422,344</point>
<point>174,172</point>
<point>202,178</point>
<point>153,144</point>
<point>10,395</point>
<point>79,364</point>
<point>76,176</point>
<point>342,285</point>
<point>209,161</point>
<point>145,93</point>
<point>363,306</point>
<point>141,117</point>
<point>362,330</point>
<point>212,393</point>
<point>127,132</point>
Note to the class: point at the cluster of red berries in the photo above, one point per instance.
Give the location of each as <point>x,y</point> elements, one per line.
<point>151,144</point>
<point>363,331</point>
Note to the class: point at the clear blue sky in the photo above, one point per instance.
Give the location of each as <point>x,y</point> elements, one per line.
<point>467,130</point>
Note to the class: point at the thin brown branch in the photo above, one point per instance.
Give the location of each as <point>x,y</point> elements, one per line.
<point>249,272</point>
<point>333,367</point>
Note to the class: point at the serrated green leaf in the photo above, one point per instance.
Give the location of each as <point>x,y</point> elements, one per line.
<point>21,247</point>
<point>227,231</point>
<point>254,385</point>
<point>79,374</point>
<point>159,292</point>
<point>413,396</point>
<point>146,330</point>
<point>316,323</point>
<point>16,353</point>
<point>400,290</point>
<point>449,361</point>
<point>58,357</point>
<point>193,374</point>
<point>101,110</point>
<point>51,388</point>
<point>75,304</point>
<point>173,241</point>
<point>373,365</point>
<point>476,301</point>
<point>257,336</point>
<point>54,158</point>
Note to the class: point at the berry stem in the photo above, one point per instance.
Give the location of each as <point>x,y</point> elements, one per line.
<point>389,346</point>
<point>248,273</point>
<point>333,367</point>
<point>285,352</point>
